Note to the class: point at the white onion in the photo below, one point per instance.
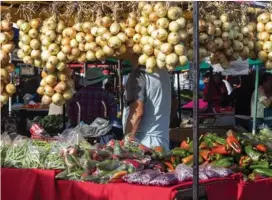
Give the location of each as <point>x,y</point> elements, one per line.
<point>267,47</point>
<point>131,22</point>
<point>148,50</point>
<point>26,49</point>
<point>183,34</point>
<point>73,43</point>
<point>122,36</point>
<point>53,60</point>
<point>53,49</point>
<point>226,26</point>
<point>262,55</point>
<point>150,63</point>
<point>183,60</point>
<point>75,52</point>
<point>171,59</point>
<point>144,40</point>
<point>137,38</point>
<point>66,49</point>
<point>28,60</point>
<point>3,38</point>
<point>160,64</point>
<point>268,27</point>
<point>144,21</point>
<point>173,38</point>
<point>161,10</point>
<point>260,27</point>
<point>129,43</point>
<point>179,49</point>
<point>108,50</point>
<point>35,54</point>
<point>115,28</point>
<point>174,26</point>
<point>25,26</point>
<point>162,34</point>
<point>153,17</point>
<point>121,50</point>
<point>99,54</point>
<point>144,30</point>
<point>138,28</point>
<point>80,37</point>
<point>162,23</point>
<point>106,21</point>
<point>107,36</point>
<point>20,54</point>
<point>26,39</point>
<point>142,59</point>
<point>51,35</point>
<point>147,9</point>
<point>61,56</point>
<point>86,27</point>
<point>151,28</point>
<point>166,48</point>
<point>174,13</point>
<point>114,42</point>
<point>102,30</point>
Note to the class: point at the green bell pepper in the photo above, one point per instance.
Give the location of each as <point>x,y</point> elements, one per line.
<point>259,165</point>
<point>179,152</point>
<point>254,155</point>
<point>223,162</point>
<point>263,172</point>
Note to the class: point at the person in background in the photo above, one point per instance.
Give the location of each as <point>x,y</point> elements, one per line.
<point>264,97</point>
<point>147,112</point>
<point>243,88</point>
<point>218,90</point>
<point>228,86</point>
<point>93,100</point>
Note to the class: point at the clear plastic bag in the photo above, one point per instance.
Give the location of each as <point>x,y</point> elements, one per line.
<point>16,153</point>
<point>5,143</point>
<point>217,172</point>
<point>148,176</point>
<point>135,177</point>
<point>184,172</point>
<point>165,179</point>
<point>54,160</point>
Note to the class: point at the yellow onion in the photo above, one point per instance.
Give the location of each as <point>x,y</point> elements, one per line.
<point>137,38</point>
<point>68,94</point>
<point>50,68</point>
<point>161,56</point>
<point>162,34</point>
<point>174,26</point>
<point>144,21</point>
<point>218,32</point>
<point>218,42</point>
<point>262,55</point>
<point>129,43</point>
<point>263,18</point>
<point>144,30</point>
<point>153,17</point>
<point>51,35</point>
<point>171,59</point>
<point>33,33</point>
<point>10,88</point>
<point>53,60</point>
<point>217,23</point>
<point>137,49</point>
<point>35,54</point>
<point>268,64</point>
<point>203,38</point>
<point>46,41</point>
<point>4,74</point>
<point>69,32</point>
<point>61,56</point>
<point>226,26</point>
<point>53,49</point>
<point>106,21</point>
<point>74,43</point>
<point>66,49</point>
<point>138,28</point>
<point>28,60</point>
<point>10,67</point>
<point>130,32</point>
<point>8,47</point>
<point>26,39</point>
<point>151,28</point>
<point>108,50</point>
<point>142,59</point>
<point>264,36</point>
<point>4,97</point>
<point>58,99</point>
<point>268,27</point>
<point>99,54</point>
<point>3,38</point>
<point>20,54</point>
<point>224,18</point>
<point>46,100</point>
<point>75,52</point>
<point>25,27</point>
<point>40,90</point>
<point>90,56</point>
<point>267,47</point>
<point>183,35</point>
<point>260,27</point>
<point>150,62</point>
<point>270,55</point>
<point>107,36</point>
<point>259,45</point>
<point>60,87</point>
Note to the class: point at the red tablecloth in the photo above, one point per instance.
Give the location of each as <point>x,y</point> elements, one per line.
<point>28,184</point>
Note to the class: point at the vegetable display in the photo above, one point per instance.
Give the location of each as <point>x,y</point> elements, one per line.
<point>52,124</point>
<point>129,161</point>
<point>7,46</point>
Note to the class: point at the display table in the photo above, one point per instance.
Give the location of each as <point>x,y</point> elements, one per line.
<point>28,184</point>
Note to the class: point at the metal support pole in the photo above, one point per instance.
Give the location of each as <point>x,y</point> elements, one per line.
<point>64,117</point>
<point>195,76</point>
<point>120,82</point>
<point>179,99</point>
<point>255,99</point>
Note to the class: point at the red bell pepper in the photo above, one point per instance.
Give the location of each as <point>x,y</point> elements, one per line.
<point>220,149</point>
<point>261,148</point>
<point>205,153</point>
<point>233,142</point>
<point>185,144</point>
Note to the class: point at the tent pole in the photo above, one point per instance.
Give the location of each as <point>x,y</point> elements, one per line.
<point>255,100</point>
<point>195,76</point>
<point>179,99</point>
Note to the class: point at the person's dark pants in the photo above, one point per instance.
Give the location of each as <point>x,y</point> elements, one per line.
<point>245,123</point>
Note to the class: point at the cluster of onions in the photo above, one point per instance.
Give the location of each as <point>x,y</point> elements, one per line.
<point>7,46</point>
<point>56,82</point>
<point>158,37</point>
<point>264,36</point>
<point>225,40</point>
<point>29,44</point>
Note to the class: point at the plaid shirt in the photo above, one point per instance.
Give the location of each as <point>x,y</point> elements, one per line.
<point>91,100</point>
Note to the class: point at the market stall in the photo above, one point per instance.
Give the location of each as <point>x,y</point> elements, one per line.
<point>63,165</point>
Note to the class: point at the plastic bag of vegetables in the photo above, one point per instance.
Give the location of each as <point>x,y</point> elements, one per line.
<point>4,145</point>
<point>54,160</point>
<point>16,153</point>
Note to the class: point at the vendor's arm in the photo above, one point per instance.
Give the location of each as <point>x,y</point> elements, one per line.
<point>263,98</point>
<point>135,98</point>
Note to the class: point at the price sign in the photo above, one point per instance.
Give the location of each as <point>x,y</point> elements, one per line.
<point>27,70</point>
